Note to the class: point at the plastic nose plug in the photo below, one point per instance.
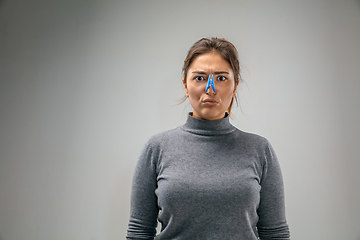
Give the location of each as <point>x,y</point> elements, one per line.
<point>210,83</point>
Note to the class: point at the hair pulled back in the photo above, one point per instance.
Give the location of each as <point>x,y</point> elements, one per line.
<point>218,45</point>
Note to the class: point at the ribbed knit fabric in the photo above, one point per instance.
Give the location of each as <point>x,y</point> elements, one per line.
<point>207,180</point>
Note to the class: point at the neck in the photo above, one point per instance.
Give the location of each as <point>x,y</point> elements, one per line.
<point>208,127</point>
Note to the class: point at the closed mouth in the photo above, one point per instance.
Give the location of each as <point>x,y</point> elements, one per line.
<point>210,101</point>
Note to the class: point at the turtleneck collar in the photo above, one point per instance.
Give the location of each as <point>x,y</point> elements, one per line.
<point>208,127</point>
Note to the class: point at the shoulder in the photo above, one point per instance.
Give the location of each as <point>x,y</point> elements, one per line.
<point>158,140</point>
<point>155,146</point>
<point>251,139</point>
<point>256,144</point>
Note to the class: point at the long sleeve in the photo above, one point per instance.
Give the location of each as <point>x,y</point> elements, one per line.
<point>207,180</point>
<point>144,210</point>
<point>272,221</point>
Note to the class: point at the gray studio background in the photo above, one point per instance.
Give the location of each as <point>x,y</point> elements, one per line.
<point>83,84</point>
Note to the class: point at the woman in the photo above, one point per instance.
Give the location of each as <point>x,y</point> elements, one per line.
<point>206,179</point>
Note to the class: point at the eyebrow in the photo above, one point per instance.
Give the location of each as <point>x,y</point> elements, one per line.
<point>220,72</point>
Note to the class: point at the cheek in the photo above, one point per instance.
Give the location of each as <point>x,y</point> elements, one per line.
<point>228,95</point>
<point>195,92</point>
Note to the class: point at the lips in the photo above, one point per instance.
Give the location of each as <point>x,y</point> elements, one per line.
<point>210,102</point>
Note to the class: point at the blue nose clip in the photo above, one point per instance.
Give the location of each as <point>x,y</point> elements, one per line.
<point>210,83</point>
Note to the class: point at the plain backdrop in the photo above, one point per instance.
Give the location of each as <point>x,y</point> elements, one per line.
<point>83,85</point>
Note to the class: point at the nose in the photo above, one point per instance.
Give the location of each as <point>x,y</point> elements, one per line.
<point>210,83</point>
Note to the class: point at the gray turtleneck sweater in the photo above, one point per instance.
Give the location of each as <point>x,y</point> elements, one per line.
<point>207,180</point>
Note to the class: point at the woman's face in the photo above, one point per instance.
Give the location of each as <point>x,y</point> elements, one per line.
<point>210,105</point>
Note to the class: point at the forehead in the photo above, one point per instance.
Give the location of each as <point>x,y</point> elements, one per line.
<point>210,61</point>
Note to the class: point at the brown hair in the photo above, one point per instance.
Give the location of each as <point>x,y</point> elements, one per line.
<point>221,46</point>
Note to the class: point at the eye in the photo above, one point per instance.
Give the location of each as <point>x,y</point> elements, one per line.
<point>221,78</point>
<point>199,78</point>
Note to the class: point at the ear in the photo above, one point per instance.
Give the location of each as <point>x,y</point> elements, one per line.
<point>186,89</point>
<point>234,92</point>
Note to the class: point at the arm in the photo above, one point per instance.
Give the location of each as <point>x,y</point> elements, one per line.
<point>272,221</point>
<point>143,210</point>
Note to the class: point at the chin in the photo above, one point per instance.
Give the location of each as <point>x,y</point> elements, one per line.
<point>209,115</point>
